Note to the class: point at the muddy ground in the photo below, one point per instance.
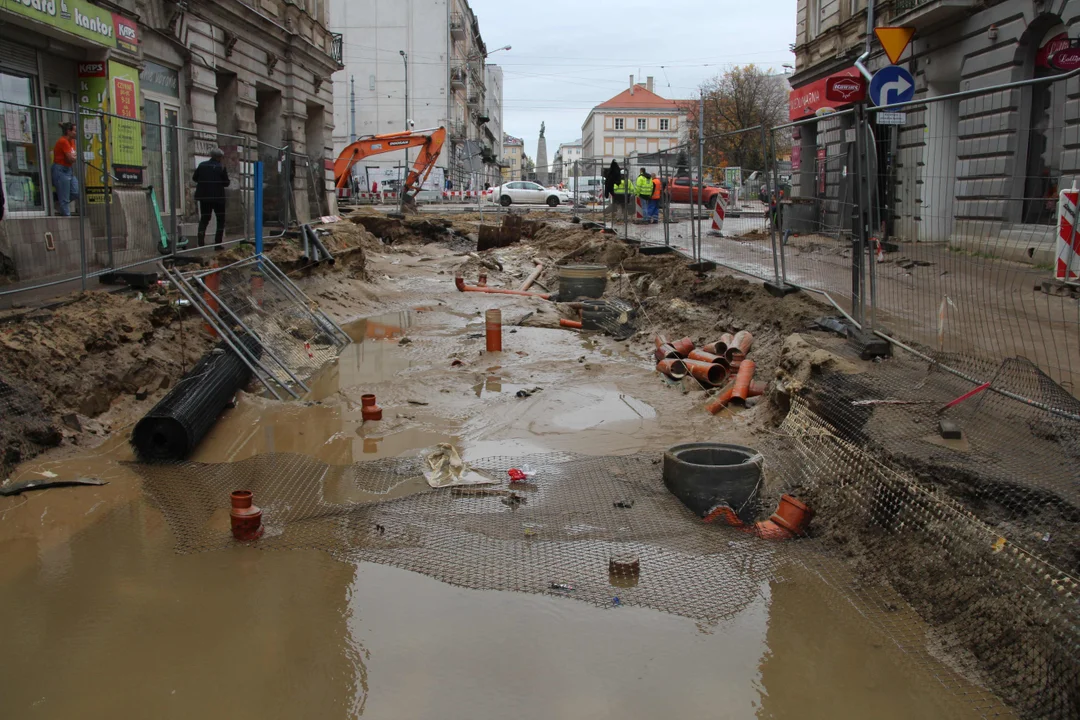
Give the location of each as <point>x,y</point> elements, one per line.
<point>80,374</point>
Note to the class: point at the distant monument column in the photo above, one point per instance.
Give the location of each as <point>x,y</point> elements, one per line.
<point>541,159</point>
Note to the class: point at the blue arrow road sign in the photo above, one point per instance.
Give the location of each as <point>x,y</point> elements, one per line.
<point>892,84</point>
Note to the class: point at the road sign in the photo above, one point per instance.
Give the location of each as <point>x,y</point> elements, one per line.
<point>890,118</point>
<point>894,40</point>
<point>892,84</point>
<point>845,89</point>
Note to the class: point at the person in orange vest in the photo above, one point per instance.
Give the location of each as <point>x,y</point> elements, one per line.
<point>654,201</point>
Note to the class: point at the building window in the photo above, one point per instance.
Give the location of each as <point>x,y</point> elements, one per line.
<point>813,18</point>
<point>665,124</point>
<point>25,186</point>
<point>642,124</point>
<point>620,124</point>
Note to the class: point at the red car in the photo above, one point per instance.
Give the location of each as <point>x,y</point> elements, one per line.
<point>684,189</point>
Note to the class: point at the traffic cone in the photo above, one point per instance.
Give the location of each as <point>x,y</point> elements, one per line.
<point>718,213</point>
<point>880,254</point>
<point>639,209</point>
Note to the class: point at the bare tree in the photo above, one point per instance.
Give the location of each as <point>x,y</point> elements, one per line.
<point>741,97</point>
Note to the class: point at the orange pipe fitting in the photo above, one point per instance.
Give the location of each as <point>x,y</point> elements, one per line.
<point>742,381</point>
<point>575,324</point>
<point>707,357</point>
<point>665,352</point>
<point>720,401</point>
<point>674,368</point>
<point>757,389</point>
<point>792,515</point>
<point>460,283</point>
<point>493,330</point>
<point>481,280</point>
<point>660,341</point>
<point>739,345</point>
<point>683,347</point>
<point>705,373</point>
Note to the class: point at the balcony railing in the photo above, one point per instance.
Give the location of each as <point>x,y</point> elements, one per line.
<point>337,45</point>
<point>457,76</point>
<point>457,26</point>
<point>924,13</point>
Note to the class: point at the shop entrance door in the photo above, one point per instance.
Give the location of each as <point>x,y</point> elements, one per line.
<point>162,154</point>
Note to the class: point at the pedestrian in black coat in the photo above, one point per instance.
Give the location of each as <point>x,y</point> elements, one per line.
<point>211,179</point>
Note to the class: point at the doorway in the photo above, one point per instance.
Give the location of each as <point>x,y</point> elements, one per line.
<point>162,157</point>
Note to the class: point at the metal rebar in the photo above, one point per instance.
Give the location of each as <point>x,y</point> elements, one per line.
<point>305,299</point>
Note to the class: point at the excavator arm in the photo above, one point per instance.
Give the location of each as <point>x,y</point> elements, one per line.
<point>430,143</point>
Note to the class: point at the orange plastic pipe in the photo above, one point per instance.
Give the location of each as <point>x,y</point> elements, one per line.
<point>665,352</point>
<point>721,400</point>
<point>493,330</point>
<point>533,277</point>
<point>673,368</point>
<point>757,389</point>
<point>706,373</point>
<point>575,324</point>
<point>660,341</point>
<point>460,282</point>
<point>739,345</point>
<point>743,379</point>
<point>706,357</point>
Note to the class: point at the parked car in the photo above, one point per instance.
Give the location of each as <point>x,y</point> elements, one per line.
<point>684,189</point>
<point>527,192</point>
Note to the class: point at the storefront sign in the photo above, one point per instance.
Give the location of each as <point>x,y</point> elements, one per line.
<point>93,94</point>
<point>1066,59</point>
<point>126,138</point>
<point>809,100</point>
<point>1056,43</point>
<point>845,89</point>
<point>160,79</point>
<point>81,18</point>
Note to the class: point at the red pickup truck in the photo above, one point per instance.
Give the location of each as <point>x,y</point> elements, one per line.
<point>684,189</point>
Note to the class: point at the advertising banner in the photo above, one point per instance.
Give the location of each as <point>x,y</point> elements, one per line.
<point>126,146</point>
<point>93,95</point>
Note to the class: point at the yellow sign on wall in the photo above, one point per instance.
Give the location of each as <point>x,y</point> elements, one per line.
<point>894,40</point>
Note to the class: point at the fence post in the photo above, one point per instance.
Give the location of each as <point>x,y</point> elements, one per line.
<point>858,240</point>
<point>258,206</point>
<point>175,185</point>
<point>80,171</point>
<point>106,188</point>
<point>768,157</point>
<point>775,221</point>
<point>626,196</point>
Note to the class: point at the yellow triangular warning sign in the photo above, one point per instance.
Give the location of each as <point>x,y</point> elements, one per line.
<point>894,40</point>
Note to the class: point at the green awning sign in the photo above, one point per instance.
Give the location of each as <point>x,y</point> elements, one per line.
<point>81,18</point>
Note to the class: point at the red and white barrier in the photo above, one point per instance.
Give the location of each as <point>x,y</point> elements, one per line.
<point>639,208</point>
<point>719,211</point>
<point>1067,250</point>
<point>465,194</point>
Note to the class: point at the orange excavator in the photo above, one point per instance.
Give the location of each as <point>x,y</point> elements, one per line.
<point>430,143</point>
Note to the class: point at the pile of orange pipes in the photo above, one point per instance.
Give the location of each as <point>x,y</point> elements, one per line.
<point>723,363</point>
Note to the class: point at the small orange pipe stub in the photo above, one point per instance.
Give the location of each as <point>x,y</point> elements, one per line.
<point>720,401</point>
<point>674,368</point>
<point>683,347</point>
<point>481,281</point>
<point>742,380</point>
<point>706,373</point>
<point>757,389</point>
<point>368,409</point>
<point>575,324</point>
<point>707,357</point>
<point>493,328</point>
<point>740,345</point>
<point>245,518</point>
<point>792,514</point>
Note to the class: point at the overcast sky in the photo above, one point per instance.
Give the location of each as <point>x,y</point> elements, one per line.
<point>568,56</point>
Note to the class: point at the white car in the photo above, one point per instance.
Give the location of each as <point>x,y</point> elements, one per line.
<point>529,193</point>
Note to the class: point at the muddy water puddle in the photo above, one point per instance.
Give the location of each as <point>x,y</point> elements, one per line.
<point>113,624</point>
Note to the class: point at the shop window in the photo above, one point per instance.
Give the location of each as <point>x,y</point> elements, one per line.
<point>22,154</point>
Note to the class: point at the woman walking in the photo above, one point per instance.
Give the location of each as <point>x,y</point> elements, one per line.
<point>64,181</point>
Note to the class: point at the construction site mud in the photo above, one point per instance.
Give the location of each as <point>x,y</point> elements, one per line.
<point>937,579</point>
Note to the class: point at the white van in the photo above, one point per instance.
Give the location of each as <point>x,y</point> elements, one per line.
<point>587,189</point>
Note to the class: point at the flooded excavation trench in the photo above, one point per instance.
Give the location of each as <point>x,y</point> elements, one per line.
<point>387,599</point>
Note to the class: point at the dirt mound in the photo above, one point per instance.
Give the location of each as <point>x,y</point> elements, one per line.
<point>80,357</point>
<point>25,429</point>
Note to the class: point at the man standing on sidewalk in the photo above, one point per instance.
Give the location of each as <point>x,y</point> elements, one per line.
<point>211,179</point>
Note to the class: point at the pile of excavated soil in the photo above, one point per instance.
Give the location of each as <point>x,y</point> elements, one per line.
<point>79,359</point>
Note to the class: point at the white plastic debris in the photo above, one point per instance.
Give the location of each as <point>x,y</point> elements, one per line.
<point>447,469</point>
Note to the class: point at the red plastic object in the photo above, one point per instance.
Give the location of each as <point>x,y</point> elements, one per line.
<point>368,409</point>
<point>683,347</point>
<point>516,475</point>
<point>246,518</point>
<point>493,330</point>
<point>792,514</point>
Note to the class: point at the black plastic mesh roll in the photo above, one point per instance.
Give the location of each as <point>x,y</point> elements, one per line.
<point>172,429</point>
